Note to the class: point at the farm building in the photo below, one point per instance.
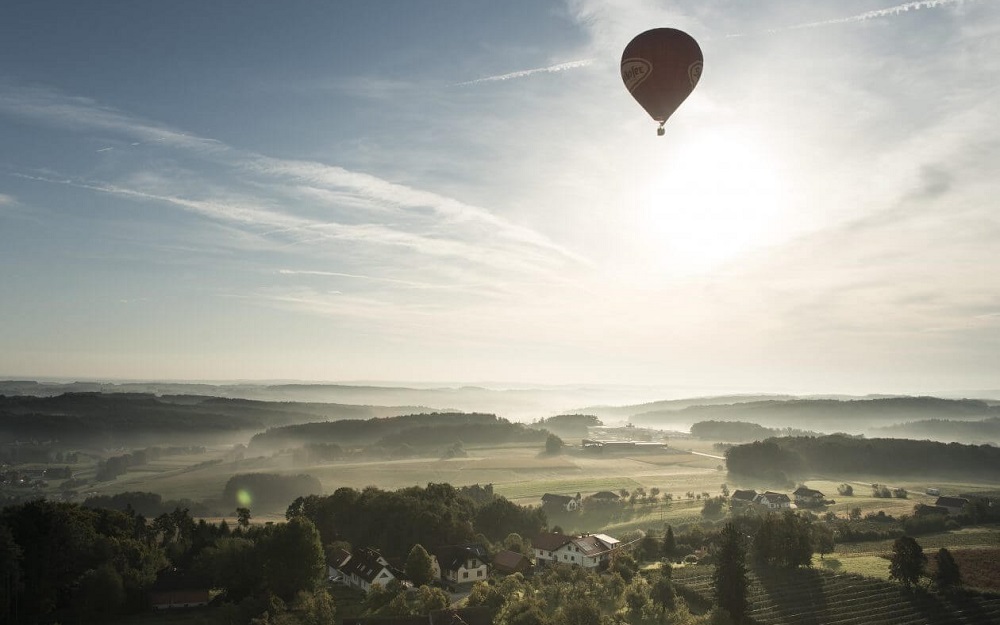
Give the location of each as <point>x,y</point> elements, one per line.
<point>564,502</point>
<point>507,562</point>
<point>741,498</point>
<point>954,505</point>
<point>773,501</point>
<point>807,497</point>
<point>587,550</point>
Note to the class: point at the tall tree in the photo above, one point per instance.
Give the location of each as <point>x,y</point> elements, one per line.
<point>293,558</point>
<point>669,542</point>
<point>947,573</point>
<point>418,566</point>
<point>730,576</point>
<point>907,562</point>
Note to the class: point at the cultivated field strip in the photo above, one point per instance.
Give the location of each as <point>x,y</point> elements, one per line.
<point>819,598</point>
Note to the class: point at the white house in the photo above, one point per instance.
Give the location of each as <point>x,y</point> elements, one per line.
<point>367,567</point>
<point>463,564</point>
<point>587,551</point>
<point>805,496</point>
<point>773,501</point>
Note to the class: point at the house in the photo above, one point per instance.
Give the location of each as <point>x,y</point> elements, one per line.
<point>367,567</point>
<point>773,501</point>
<point>561,502</point>
<point>954,505</point>
<point>335,561</point>
<point>462,564</point>
<point>606,495</point>
<point>742,498</point>
<point>588,550</point>
<point>507,562</point>
<point>175,588</point>
<point>808,497</point>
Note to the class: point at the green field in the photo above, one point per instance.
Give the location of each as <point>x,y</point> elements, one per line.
<point>816,597</point>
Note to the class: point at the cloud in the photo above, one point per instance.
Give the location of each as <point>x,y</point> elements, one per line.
<point>892,11</point>
<point>51,106</point>
<point>551,69</point>
<point>6,199</point>
<point>368,210</point>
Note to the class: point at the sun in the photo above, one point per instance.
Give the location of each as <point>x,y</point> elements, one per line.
<point>715,197</point>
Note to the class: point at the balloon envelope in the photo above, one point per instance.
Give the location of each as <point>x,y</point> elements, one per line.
<point>660,68</point>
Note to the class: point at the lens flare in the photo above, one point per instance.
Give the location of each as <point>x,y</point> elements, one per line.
<point>244,498</point>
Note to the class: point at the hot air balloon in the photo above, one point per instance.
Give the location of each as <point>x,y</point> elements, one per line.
<point>660,68</point>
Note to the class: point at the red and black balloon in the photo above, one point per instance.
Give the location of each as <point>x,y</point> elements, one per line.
<point>660,68</point>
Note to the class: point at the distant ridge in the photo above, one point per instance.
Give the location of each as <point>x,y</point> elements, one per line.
<point>826,415</point>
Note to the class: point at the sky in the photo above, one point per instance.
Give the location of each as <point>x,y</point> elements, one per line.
<point>463,191</point>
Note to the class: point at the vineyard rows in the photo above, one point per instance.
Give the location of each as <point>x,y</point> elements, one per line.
<point>811,597</point>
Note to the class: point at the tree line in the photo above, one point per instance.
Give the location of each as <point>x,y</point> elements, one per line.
<point>417,429</point>
<point>780,458</point>
<point>438,514</point>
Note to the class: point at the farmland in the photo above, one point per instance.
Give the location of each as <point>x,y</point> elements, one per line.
<point>809,597</point>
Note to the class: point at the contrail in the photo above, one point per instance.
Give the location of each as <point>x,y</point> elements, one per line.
<point>860,17</point>
<point>528,72</point>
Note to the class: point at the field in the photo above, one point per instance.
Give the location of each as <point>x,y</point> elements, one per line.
<point>976,549</point>
<point>810,597</point>
<point>520,473</point>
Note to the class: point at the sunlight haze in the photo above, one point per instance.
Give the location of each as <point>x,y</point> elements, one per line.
<point>463,191</point>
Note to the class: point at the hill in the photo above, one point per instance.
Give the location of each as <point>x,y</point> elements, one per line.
<point>973,432</point>
<point>825,415</point>
<point>121,419</point>
<point>436,429</point>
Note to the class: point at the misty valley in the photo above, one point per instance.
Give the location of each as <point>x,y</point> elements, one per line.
<point>170,503</point>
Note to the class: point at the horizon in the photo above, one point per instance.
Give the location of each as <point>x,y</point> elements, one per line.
<point>466,190</point>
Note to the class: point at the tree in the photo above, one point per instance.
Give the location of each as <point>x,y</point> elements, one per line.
<point>669,542</point>
<point>580,611</point>
<point>907,562</point>
<point>730,576</point>
<point>101,590</point>
<point>418,566</point>
<point>947,573</point>
<point>649,547</point>
<point>243,517</point>
<point>293,558</point>
<point>845,490</point>
<point>553,444</point>
<point>430,598</point>
<point>662,592</point>
<point>315,608</point>
<point>823,540</point>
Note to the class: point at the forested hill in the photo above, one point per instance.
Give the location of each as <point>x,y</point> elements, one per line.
<point>131,418</point>
<point>975,432</point>
<point>826,415</point>
<point>415,430</point>
<point>788,458</point>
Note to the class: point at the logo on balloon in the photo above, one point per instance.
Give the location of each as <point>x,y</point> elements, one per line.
<point>634,71</point>
<point>694,72</point>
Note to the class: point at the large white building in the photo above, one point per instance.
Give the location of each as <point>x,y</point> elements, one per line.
<point>587,551</point>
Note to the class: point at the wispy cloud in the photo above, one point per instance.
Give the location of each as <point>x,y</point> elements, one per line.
<point>892,11</point>
<point>524,73</point>
<point>53,107</point>
<point>376,211</point>
<point>393,281</point>
<point>6,199</point>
